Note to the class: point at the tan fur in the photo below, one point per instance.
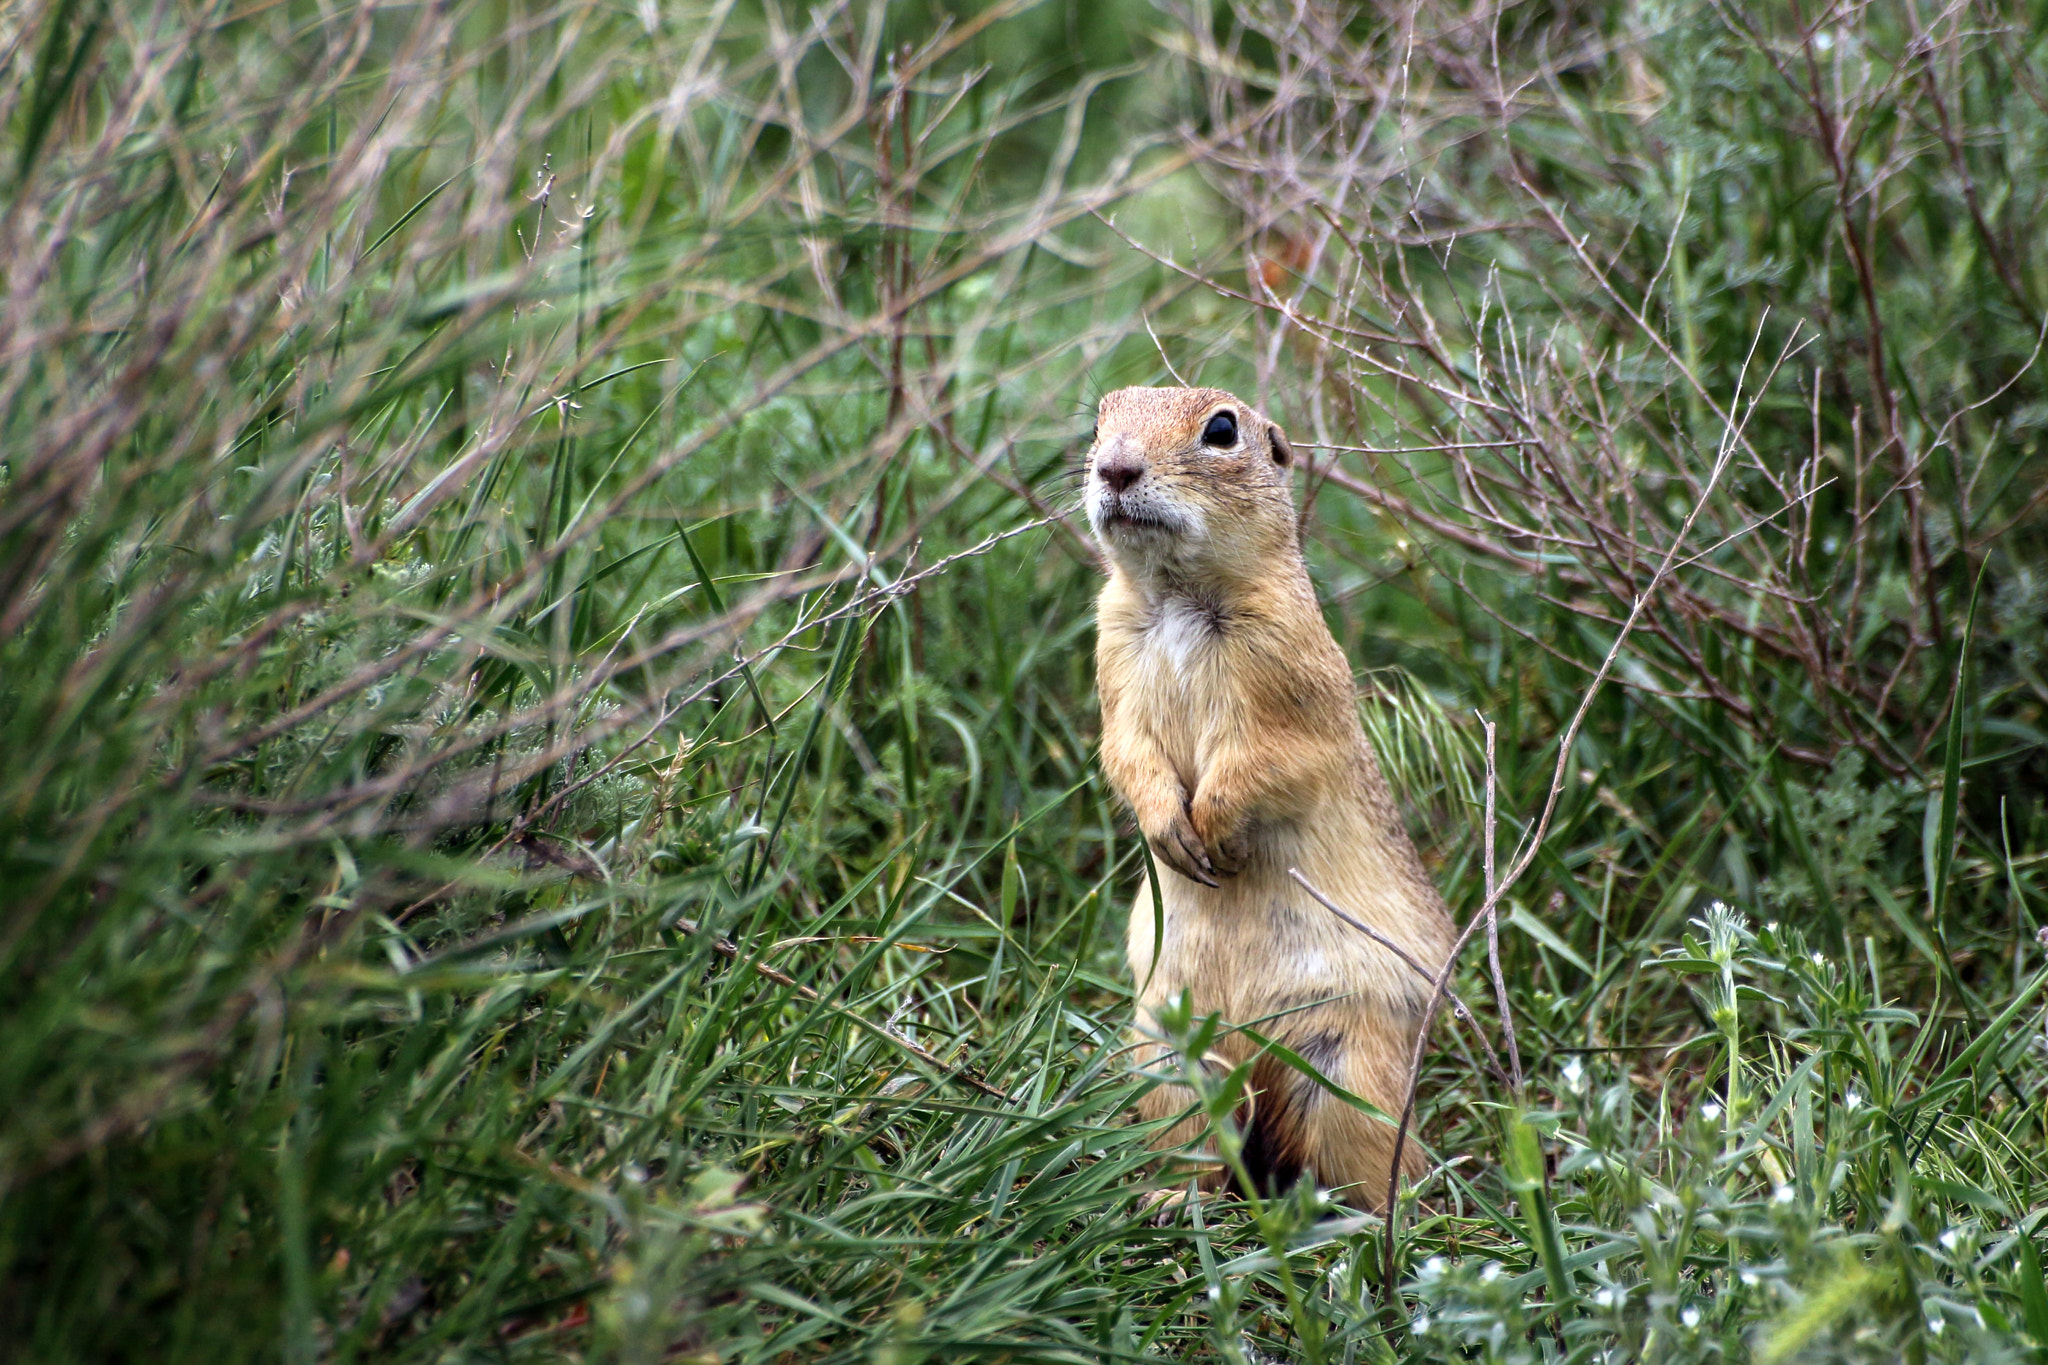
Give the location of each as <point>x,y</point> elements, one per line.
<point>1230,727</point>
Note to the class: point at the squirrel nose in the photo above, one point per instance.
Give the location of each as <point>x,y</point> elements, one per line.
<point>1119,470</point>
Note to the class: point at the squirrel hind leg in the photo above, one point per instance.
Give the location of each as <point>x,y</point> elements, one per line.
<point>1277,1124</point>
<point>1299,1126</point>
<point>1168,1100</point>
<point>1269,1153</point>
<point>1292,1126</point>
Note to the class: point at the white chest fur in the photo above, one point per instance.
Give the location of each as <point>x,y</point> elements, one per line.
<point>1178,638</point>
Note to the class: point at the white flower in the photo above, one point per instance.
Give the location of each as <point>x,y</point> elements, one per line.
<point>1751,1278</point>
<point>1434,1265</point>
<point>1690,1317</point>
<point>1421,1324</point>
<point>1574,1075</point>
<point>1935,1321</point>
<point>1851,1100</point>
<point>1950,1237</point>
<point>1710,1110</point>
<point>1784,1194</point>
<point>1490,1272</point>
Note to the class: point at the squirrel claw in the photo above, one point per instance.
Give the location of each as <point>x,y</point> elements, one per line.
<point>1180,849</point>
<point>1230,856</point>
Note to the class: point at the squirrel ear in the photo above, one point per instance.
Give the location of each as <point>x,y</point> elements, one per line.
<point>1283,453</point>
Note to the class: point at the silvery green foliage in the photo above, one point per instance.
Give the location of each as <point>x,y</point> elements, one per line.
<point>1786,1192</point>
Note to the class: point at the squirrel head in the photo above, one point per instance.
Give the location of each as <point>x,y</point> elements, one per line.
<point>1189,483</point>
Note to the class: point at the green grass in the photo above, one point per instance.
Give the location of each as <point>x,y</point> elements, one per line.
<point>545,687</point>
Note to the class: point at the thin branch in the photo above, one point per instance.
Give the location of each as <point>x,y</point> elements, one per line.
<point>1500,985</point>
<point>1459,1009</point>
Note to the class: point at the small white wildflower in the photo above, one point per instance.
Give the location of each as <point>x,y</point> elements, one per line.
<point>1820,960</point>
<point>1434,1266</point>
<point>1782,1195</point>
<point>1772,927</point>
<point>1690,1317</point>
<point>1751,1278</point>
<point>1935,1321</point>
<point>1490,1271</point>
<point>1851,1100</point>
<point>1710,1110</point>
<point>1719,905</point>
<point>1574,1075</point>
<point>1950,1237</point>
<point>1422,1324</point>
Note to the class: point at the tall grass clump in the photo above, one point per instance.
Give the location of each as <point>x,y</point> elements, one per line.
<point>494,841</point>
<point>548,807</point>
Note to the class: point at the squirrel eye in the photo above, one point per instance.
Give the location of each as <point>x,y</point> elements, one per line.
<point>1221,430</point>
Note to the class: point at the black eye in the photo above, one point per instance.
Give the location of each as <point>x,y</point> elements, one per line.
<point>1221,431</point>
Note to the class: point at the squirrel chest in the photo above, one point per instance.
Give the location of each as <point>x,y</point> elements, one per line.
<point>1180,679</point>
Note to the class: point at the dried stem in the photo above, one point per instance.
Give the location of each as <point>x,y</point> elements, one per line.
<point>1500,984</point>
<point>1459,1009</point>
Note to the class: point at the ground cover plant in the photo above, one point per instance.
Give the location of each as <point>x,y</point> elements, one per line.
<point>548,807</point>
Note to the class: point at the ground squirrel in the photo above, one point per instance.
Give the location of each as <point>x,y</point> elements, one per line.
<point>1230,727</point>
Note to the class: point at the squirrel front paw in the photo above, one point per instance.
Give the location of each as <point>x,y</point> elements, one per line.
<point>1227,840</point>
<point>1228,855</point>
<point>1178,846</point>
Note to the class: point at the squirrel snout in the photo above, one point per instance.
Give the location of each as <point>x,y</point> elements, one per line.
<point>1119,470</point>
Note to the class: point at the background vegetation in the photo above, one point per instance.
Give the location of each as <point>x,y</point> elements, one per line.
<point>548,806</point>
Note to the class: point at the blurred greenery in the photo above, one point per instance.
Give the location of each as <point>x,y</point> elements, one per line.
<point>549,807</point>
